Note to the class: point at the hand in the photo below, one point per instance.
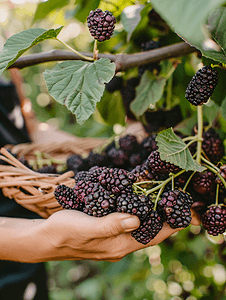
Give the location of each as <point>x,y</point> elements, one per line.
<point>74,235</point>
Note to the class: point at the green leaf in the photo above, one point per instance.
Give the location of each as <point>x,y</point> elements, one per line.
<point>175,151</point>
<point>223,109</point>
<point>210,110</point>
<point>79,85</point>
<point>149,91</point>
<point>131,17</point>
<point>112,109</point>
<point>188,19</point>
<point>20,42</point>
<point>44,8</point>
<point>83,8</point>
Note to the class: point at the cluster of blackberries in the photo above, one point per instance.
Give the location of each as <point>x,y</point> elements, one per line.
<point>202,86</point>
<point>101,24</point>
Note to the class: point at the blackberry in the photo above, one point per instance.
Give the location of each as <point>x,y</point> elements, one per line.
<point>101,24</point>
<point>96,159</point>
<point>82,176</point>
<point>66,197</point>
<point>115,84</point>
<point>203,183</point>
<point>76,163</point>
<point>136,158</point>
<point>128,93</point>
<point>154,120</point>
<point>149,144</point>
<point>117,180</point>
<point>174,208</point>
<point>173,116</point>
<point>99,202</point>
<point>150,45</point>
<point>214,219</point>
<point>212,145</point>
<point>117,156</point>
<point>149,228</point>
<point>83,188</point>
<point>160,166</point>
<point>128,143</point>
<point>202,86</point>
<point>131,203</point>
<point>223,174</point>
<point>48,169</point>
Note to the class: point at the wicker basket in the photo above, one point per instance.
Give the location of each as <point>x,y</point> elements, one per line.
<point>33,190</point>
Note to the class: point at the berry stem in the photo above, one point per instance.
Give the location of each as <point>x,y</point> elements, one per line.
<point>172,180</point>
<point>157,198</point>
<point>217,194</point>
<point>168,75</point>
<point>75,51</point>
<point>199,134</point>
<point>210,164</point>
<point>95,50</point>
<point>190,138</point>
<point>148,181</point>
<point>187,183</point>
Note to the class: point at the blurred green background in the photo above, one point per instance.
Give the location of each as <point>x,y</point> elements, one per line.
<point>190,264</point>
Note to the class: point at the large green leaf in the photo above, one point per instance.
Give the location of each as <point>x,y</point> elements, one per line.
<point>174,150</point>
<point>20,42</point>
<point>79,85</point>
<point>149,91</point>
<point>188,19</point>
<point>44,8</point>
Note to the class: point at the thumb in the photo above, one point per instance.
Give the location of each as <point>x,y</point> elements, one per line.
<point>115,224</point>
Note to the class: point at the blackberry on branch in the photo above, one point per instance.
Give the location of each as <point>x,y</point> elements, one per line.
<point>66,197</point>
<point>204,182</point>
<point>149,228</point>
<point>214,219</point>
<point>212,145</point>
<point>101,24</point>
<point>131,203</point>
<point>128,143</point>
<point>160,166</point>
<point>174,208</point>
<point>117,156</point>
<point>117,180</point>
<point>99,202</point>
<point>202,86</point>
<point>115,84</point>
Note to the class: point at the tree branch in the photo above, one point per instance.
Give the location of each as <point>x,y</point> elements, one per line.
<point>122,61</point>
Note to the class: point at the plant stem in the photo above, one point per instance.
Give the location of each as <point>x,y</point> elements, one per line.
<point>187,183</point>
<point>190,138</point>
<point>217,194</point>
<point>95,50</point>
<point>210,164</point>
<point>157,198</point>
<point>169,93</point>
<point>199,134</point>
<point>218,174</point>
<point>75,51</point>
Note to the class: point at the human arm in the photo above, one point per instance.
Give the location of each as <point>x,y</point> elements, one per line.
<point>72,235</point>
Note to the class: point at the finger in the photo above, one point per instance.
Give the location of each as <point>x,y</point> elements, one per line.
<point>196,218</point>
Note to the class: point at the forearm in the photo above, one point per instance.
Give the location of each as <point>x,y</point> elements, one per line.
<point>21,240</point>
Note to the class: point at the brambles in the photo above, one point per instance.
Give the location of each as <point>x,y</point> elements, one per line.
<point>101,24</point>
<point>214,219</point>
<point>202,86</point>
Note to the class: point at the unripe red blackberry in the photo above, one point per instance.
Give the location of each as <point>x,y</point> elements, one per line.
<point>214,219</point>
<point>212,145</point>
<point>160,166</point>
<point>203,183</point>
<point>174,208</point>
<point>101,24</point>
<point>202,86</point>
<point>131,203</point>
<point>99,202</point>
<point>117,180</point>
<point>149,228</point>
<point>66,197</point>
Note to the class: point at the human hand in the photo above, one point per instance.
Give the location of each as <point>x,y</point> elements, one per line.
<point>73,235</point>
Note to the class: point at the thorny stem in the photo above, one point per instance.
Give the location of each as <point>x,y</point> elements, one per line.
<point>75,51</point>
<point>200,130</point>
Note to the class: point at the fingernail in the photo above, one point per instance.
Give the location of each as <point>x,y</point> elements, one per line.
<point>130,224</point>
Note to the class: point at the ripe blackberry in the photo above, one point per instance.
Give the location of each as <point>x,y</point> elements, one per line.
<point>149,228</point>
<point>117,157</point>
<point>101,24</point>
<point>212,145</point>
<point>48,169</point>
<point>150,45</point>
<point>204,183</point>
<point>115,84</point>
<point>131,203</point>
<point>128,93</point>
<point>128,143</point>
<point>117,180</point>
<point>154,120</point>
<point>66,197</point>
<point>149,144</point>
<point>136,159</point>
<point>174,208</point>
<point>173,116</point>
<point>96,159</point>
<point>76,163</point>
<point>202,86</point>
<point>82,176</point>
<point>223,174</point>
<point>99,202</point>
<point>214,219</point>
<point>160,166</point>
<point>82,189</point>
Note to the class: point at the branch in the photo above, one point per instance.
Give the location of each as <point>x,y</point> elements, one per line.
<point>122,61</point>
